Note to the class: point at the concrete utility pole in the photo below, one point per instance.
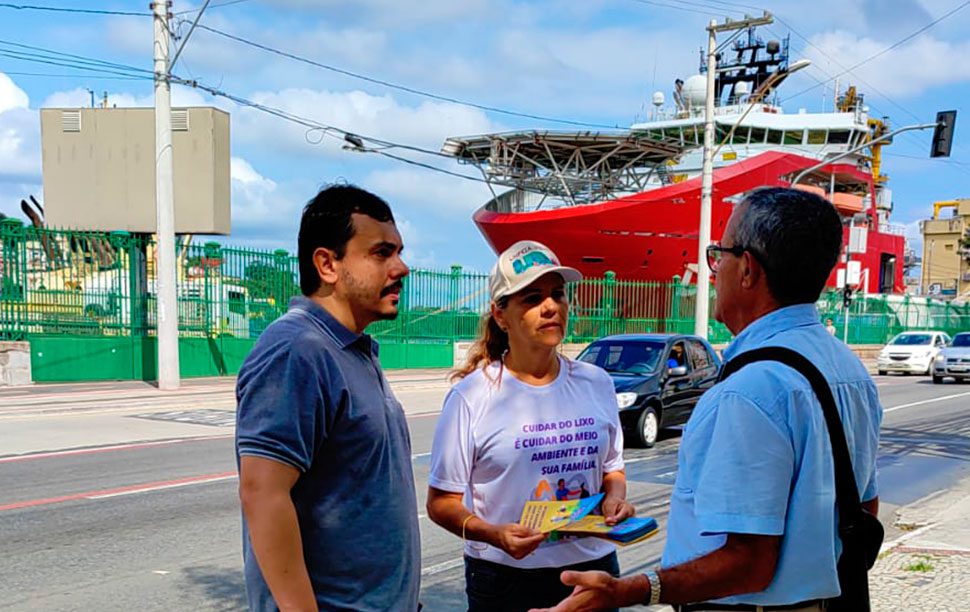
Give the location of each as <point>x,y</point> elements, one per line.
<point>701,314</point>
<point>702,307</point>
<point>166,299</point>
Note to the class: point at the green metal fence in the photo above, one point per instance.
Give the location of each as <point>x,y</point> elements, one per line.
<point>875,319</point>
<point>57,285</point>
<point>56,282</point>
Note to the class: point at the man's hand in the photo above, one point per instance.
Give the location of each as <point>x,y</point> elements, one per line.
<point>616,510</point>
<point>517,540</point>
<point>599,591</point>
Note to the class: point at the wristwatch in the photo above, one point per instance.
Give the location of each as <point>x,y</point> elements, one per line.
<point>654,580</point>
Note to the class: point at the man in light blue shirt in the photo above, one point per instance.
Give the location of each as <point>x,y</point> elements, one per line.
<point>753,514</point>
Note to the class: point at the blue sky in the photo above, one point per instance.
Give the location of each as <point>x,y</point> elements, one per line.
<point>590,61</point>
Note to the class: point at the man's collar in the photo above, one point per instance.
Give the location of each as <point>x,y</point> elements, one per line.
<point>759,332</point>
<point>345,337</point>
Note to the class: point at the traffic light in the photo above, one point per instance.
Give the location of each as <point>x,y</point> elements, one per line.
<point>846,296</point>
<point>943,134</point>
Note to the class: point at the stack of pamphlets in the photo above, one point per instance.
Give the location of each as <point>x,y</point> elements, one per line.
<point>573,517</point>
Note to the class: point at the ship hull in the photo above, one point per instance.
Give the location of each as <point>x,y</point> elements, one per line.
<point>653,235</point>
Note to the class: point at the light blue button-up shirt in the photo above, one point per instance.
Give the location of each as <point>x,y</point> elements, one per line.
<point>755,458</point>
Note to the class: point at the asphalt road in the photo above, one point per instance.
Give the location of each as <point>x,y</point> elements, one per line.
<point>155,526</point>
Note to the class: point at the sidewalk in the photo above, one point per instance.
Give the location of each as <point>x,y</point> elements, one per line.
<point>216,390</point>
<point>928,568</point>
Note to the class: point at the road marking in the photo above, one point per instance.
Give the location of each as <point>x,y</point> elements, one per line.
<point>929,401</point>
<point>423,415</point>
<point>886,546</point>
<point>167,485</point>
<point>105,449</point>
<point>437,568</point>
<point>139,488</point>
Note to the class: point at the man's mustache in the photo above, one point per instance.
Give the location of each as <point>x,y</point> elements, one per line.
<point>397,287</point>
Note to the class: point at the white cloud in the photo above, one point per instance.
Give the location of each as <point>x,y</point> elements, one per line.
<point>429,192</point>
<point>426,125</point>
<point>80,97</point>
<point>257,203</point>
<point>19,135</point>
<point>434,214</point>
<point>11,96</point>
<point>394,12</point>
<point>416,253</point>
<point>908,70</point>
<point>19,145</point>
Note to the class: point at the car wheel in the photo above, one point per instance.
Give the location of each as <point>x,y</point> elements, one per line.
<point>882,372</point>
<point>648,427</point>
<point>937,379</point>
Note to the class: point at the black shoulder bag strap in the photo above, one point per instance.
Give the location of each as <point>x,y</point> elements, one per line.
<point>860,532</point>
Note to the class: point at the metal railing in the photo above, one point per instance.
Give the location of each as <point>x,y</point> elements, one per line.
<point>64,282</point>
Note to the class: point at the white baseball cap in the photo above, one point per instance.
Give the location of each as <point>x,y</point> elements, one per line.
<point>522,264</point>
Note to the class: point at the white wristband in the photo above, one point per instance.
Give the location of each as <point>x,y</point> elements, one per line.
<point>654,580</point>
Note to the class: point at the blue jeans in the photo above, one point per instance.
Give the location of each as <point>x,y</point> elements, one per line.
<point>493,587</point>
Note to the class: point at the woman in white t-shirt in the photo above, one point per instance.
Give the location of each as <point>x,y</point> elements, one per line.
<point>525,424</point>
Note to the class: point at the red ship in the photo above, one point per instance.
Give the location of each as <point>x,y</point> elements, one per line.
<point>629,201</point>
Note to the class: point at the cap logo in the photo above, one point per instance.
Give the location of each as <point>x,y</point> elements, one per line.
<point>530,260</point>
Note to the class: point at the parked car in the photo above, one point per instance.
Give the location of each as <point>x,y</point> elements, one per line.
<point>658,378</point>
<point>953,360</point>
<point>911,352</point>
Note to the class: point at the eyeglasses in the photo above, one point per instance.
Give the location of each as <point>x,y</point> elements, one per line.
<point>715,251</point>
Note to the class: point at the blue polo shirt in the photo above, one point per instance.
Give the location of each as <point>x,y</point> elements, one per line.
<point>311,395</point>
<point>755,458</point>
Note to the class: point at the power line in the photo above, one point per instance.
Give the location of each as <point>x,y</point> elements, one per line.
<point>212,6</point>
<point>736,4</point>
<point>330,130</point>
<point>33,7</point>
<point>390,85</point>
<point>59,55</point>
<point>708,13</point>
<point>909,136</point>
<point>887,49</point>
<point>64,64</point>
<point>67,76</point>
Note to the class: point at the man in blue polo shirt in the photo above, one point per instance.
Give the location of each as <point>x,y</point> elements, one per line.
<point>324,454</point>
<point>753,518</point>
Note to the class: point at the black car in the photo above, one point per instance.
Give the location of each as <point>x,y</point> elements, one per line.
<point>658,378</point>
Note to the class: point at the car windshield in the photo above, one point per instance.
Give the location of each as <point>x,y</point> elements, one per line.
<point>625,356</point>
<point>961,340</point>
<point>911,339</point>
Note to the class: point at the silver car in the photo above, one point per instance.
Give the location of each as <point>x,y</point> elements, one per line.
<point>954,360</point>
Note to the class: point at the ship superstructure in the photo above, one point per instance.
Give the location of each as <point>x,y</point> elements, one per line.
<point>628,201</point>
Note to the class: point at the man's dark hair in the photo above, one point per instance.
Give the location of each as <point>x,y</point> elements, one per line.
<point>797,238</point>
<point>327,223</point>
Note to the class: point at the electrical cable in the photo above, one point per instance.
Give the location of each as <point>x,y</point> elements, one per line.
<point>399,87</point>
<point>328,130</point>
<point>65,76</point>
<point>708,12</point>
<point>211,6</point>
<point>78,58</point>
<point>33,7</point>
<point>889,48</point>
<point>73,66</point>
